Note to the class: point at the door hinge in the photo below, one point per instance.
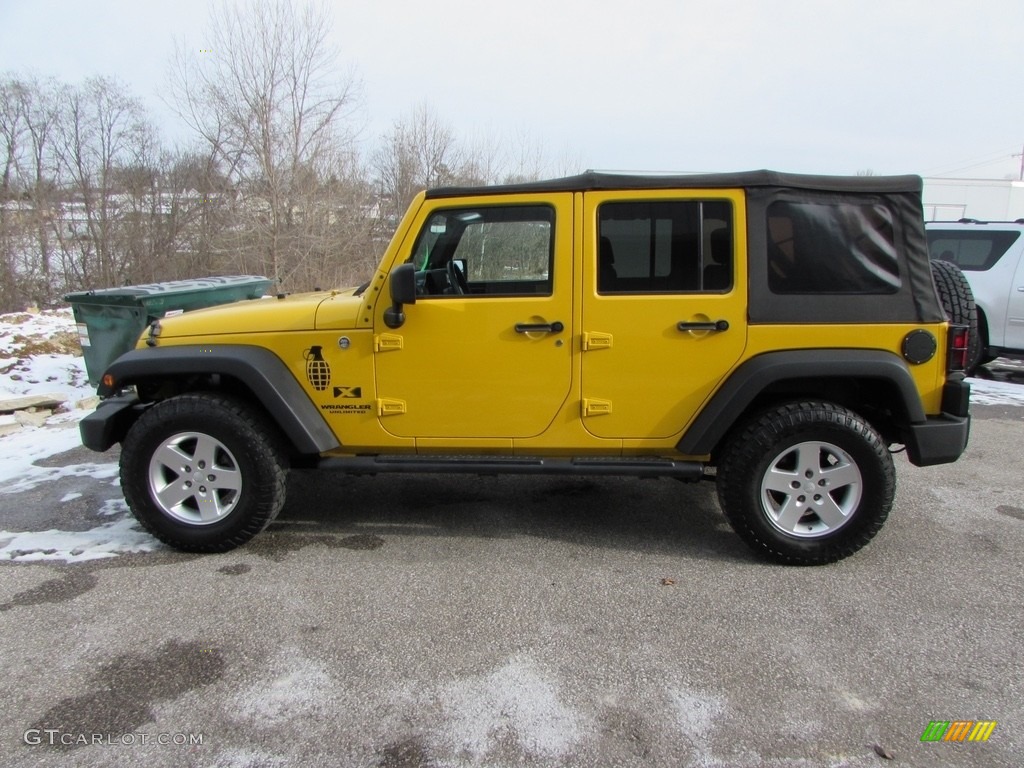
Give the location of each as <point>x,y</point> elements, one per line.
<point>387,342</point>
<point>593,341</point>
<point>389,407</point>
<point>594,407</point>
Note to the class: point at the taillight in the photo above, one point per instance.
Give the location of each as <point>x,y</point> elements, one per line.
<point>958,339</point>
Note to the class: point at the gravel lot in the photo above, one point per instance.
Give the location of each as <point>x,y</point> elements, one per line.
<point>415,621</point>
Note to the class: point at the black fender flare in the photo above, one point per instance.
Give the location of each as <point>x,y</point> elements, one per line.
<point>734,397</point>
<point>258,369</point>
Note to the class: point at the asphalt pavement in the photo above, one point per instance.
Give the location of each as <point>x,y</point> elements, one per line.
<point>461,621</point>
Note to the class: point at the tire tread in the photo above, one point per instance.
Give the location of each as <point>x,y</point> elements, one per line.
<point>261,441</point>
<point>760,435</point>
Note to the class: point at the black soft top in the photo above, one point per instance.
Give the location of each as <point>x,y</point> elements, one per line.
<point>913,301</point>
<point>594,180</point>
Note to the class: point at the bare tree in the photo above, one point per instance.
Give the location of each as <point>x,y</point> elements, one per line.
<point>344,250</point>
<point>29,116</point>
<point>102,129</point>
<point>12,132</point>
<point>41,174</point>
<point>200,200</point>
<point>526,159</point>
<point>266,103</point>
<point>422,151</point>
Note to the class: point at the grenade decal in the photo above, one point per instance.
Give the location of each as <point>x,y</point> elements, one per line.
<point>317,370</point>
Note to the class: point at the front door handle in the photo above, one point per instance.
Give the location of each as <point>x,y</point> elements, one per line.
<point>710,325</point>
<point>555,327</point>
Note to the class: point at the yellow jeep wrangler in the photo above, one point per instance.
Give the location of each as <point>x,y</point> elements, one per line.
<point>780,334</point>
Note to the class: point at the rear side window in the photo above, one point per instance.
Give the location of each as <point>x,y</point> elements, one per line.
<point>831,248</point>
<point>971,251</point>
<point>678,246</point>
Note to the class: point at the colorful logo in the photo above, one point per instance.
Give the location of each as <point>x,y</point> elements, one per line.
<point>958,730</point>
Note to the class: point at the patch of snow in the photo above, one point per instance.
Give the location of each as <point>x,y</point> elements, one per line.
<point>19,451</point>
<point>107,540</point>
<point>300,689</point>
<point>248,758</point>
<point>514,702</point>
<point>696,713</point>
<point>113,507</point>
<point>34,325</point>
<point>985,392</point>
<point>23,374</point>
<point>53,373</point>
<point>36,476</point>
<point>70,497</point>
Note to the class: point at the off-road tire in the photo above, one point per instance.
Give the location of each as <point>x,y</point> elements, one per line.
<point>189,429</point>
<point>757,454</point>
<point>958,302</point>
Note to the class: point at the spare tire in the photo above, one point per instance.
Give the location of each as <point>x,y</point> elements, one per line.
<point>958,301</point>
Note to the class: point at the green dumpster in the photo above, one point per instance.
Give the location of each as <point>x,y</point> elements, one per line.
<point>111,320</point>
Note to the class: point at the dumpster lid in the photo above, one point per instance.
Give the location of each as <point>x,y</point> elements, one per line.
<point>130,294</point>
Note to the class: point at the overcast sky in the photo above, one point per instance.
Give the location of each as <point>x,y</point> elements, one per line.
<point>895,86</point>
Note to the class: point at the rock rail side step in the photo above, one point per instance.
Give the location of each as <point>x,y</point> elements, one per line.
<point>521,465</point>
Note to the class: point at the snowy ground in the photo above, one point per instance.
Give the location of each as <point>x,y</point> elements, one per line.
<point>40,354</point>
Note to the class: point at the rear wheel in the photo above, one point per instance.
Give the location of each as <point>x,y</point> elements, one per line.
<point>806,483</point>
<point>202,472</point>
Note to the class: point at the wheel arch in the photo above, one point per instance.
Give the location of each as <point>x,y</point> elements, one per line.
<point>253,373</point>
<point>876,379</point>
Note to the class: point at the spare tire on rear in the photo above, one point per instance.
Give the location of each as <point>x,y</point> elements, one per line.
<point>958,301</point>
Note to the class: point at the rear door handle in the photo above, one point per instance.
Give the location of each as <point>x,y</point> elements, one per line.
<point>555,327</point>
<point>711,325</point>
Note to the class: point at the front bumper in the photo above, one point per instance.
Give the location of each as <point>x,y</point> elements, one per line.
<point>109,423</point>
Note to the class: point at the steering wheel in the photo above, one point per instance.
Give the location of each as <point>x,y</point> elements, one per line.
<point>456,278</point>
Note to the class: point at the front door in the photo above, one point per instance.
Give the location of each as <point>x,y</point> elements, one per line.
<point>664,306</point>
<point>485,352</point>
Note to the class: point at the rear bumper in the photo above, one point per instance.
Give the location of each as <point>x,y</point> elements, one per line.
<point>109,423</point>
<point>942,439</point>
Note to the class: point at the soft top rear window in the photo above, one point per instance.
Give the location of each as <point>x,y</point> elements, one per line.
<point>973,250</point>
<point>831,248</point>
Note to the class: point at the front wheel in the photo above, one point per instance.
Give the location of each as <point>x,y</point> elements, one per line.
<point>202,472</point>
<point>806,483</point>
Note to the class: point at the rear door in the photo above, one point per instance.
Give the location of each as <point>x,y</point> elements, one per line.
<point>664,306</point>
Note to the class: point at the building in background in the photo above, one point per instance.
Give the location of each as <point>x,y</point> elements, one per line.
<point>981,199</point>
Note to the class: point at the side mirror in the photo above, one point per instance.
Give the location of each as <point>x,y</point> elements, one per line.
<point>403,291</point>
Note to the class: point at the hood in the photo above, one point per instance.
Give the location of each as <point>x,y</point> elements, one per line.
<point>293,313</point>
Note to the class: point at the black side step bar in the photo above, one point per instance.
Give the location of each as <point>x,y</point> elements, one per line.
<point>519,465</point>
